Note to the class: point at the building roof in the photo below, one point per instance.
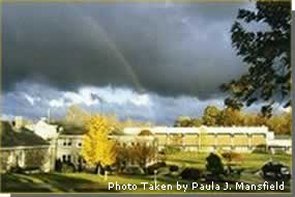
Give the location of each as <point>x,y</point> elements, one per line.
<point>194,130</point>
<point>23,137</point>
<point>68,129</point>
<point>72,129</point>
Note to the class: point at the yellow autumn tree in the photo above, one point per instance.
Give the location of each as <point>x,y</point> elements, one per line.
<point>97,149</point>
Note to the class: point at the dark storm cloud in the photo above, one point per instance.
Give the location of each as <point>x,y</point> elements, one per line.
<point>170,50</point>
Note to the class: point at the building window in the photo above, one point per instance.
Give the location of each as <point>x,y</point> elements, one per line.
<point>69,143</point>
<point>64,158</point>
<point>21,159</point>
<point>79,144</point>
<point>64,143</point>
<point>69,158</point>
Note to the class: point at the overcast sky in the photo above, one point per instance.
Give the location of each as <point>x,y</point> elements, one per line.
<point>150,62</point>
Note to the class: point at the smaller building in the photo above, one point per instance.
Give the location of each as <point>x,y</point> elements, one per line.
<point>280,144</point>
<point>45,130</point>
<point>69,145</point>
<point>23,149</point>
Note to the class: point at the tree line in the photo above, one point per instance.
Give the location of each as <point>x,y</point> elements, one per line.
<point>213,116</point>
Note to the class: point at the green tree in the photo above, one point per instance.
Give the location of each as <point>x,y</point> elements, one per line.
<point>211,116</point>
<point>145,132</point>
<point>197,122</point>
<point>185,121</point>
<point>281,124</point>
<point>231,117</point>
<point>266,52</point>
<point>142,153</point>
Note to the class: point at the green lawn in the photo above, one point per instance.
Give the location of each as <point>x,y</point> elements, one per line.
<point>250,161</point>
<point>82,182</point>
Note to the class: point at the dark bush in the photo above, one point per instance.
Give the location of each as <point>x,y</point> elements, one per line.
<point>173,168</point>
<point>145,132</point>
<point>108,168</point>
<point>90,169</point>
<point>214,164</point>
<point>25,170</point>
<point>67,168</point>
<point>58,165</point>
<point>150,169</point>
<point>191,174</point>
<point>133,170</point>
<point>16,169</point>
<point>161,164</point>
<point>276,171</point>
<point>261,148</point>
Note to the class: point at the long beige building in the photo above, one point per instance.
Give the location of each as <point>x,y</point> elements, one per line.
<point>209,138</point>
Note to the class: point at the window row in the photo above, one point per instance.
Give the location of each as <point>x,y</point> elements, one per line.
<point>70,143</point>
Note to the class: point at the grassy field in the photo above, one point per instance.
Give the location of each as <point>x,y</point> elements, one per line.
<point>250,161</point>
<point>82,182</point>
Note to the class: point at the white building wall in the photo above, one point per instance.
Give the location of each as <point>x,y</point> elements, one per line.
<point>46,131</point>
<point>69,148</point>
